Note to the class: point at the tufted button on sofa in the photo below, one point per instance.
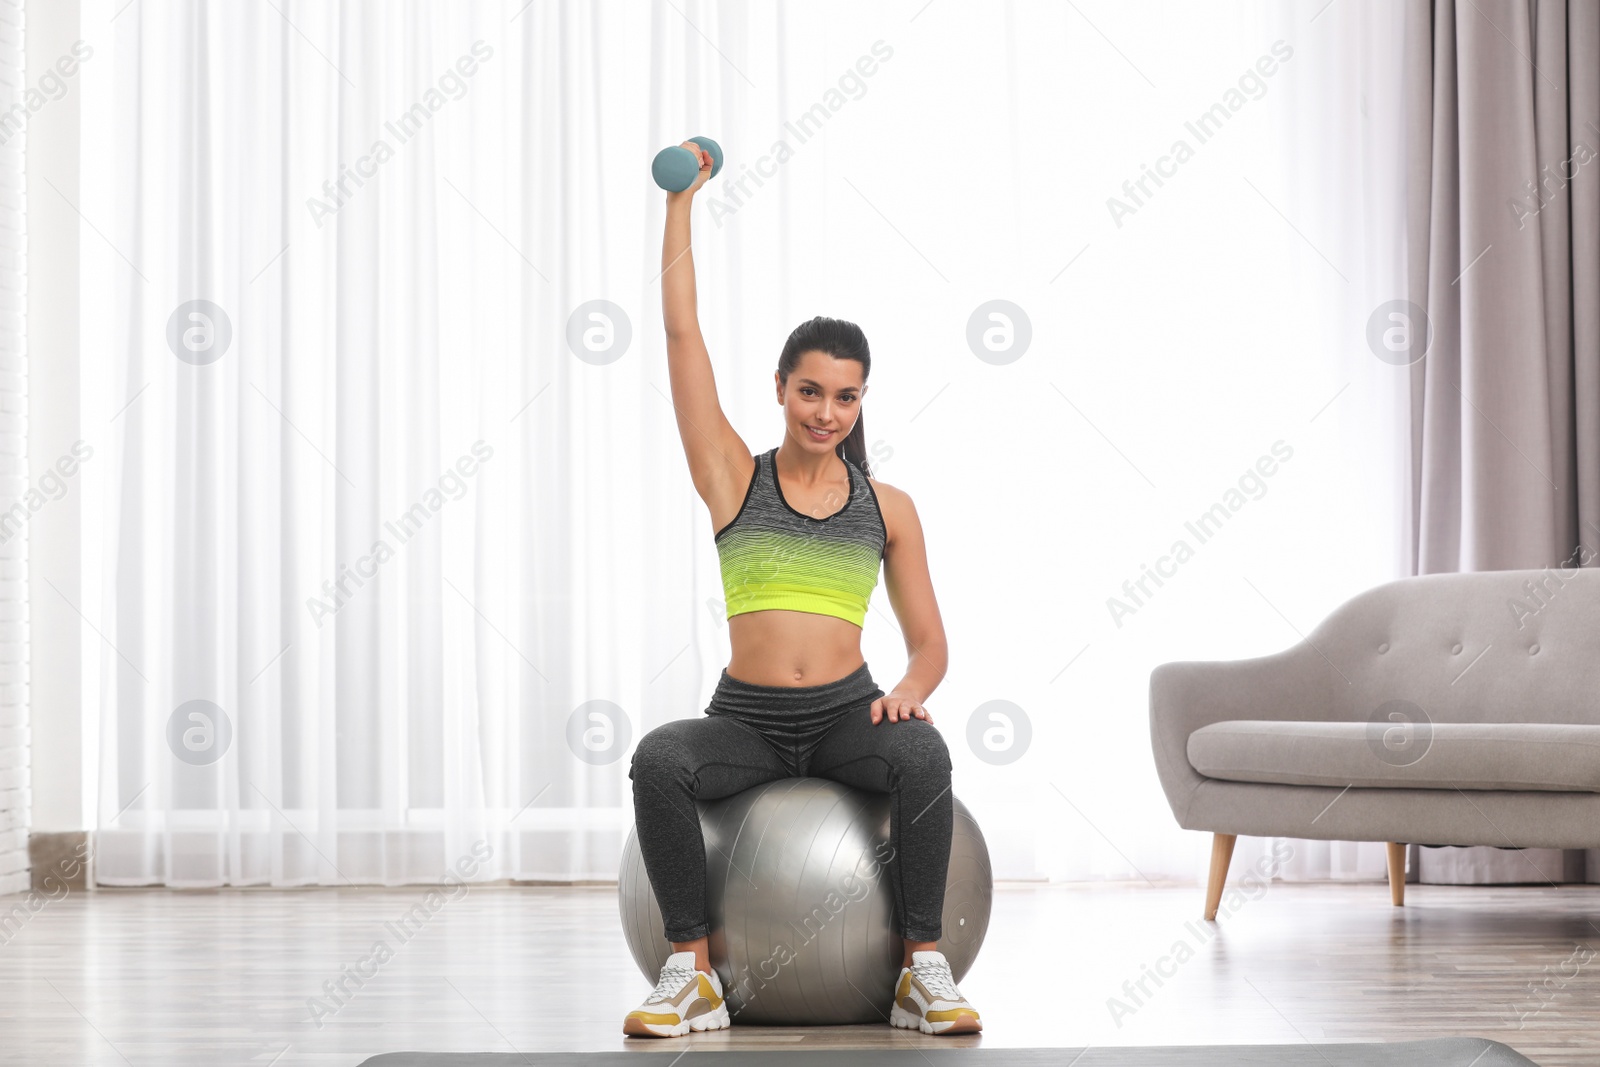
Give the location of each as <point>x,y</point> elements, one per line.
<point>1448,709</point>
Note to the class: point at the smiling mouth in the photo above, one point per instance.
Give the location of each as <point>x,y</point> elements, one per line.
<point>819,434</point>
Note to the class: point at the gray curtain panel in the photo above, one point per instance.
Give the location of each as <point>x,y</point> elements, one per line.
<point>1503,262</point>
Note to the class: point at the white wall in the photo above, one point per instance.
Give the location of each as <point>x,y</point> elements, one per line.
<point>13,462</point>
<point>61,776</point>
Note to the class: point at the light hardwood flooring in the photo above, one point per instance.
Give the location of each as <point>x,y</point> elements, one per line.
<point>136,977</point>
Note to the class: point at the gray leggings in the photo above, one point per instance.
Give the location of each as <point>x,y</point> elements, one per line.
<point>756,733</point>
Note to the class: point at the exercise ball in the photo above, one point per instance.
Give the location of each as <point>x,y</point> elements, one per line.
<point>801,903</point>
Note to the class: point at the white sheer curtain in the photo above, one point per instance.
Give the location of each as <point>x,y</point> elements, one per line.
<point>480,673</point>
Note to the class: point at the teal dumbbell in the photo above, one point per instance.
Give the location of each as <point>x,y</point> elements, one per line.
<point>675,168</point>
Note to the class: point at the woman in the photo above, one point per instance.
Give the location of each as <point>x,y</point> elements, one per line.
<point>801,529</point>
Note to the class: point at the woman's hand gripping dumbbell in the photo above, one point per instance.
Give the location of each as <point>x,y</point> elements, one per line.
<point>686,167</point>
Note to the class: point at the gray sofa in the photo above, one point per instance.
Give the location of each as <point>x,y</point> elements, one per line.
<point>1447,709</point>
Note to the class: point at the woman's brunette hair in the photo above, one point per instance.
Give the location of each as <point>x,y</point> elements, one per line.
<point>841,340</point>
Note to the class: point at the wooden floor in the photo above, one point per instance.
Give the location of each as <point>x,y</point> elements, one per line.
<point>136,977</point>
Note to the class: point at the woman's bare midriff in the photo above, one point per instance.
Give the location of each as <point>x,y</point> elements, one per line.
<point>792,648</point>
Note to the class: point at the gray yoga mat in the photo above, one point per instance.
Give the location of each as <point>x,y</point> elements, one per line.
<point>1437,1052</point>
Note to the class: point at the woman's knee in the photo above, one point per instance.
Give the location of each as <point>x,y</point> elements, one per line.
<point>660,755</point>
<point>920,752</point>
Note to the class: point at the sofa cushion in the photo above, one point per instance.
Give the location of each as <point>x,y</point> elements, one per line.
<point>1555,757</point>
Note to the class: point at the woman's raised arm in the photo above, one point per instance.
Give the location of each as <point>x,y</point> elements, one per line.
<point>719,460</point>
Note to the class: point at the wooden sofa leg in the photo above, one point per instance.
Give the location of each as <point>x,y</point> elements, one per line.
<point>1221,854</point>
<point>1397,873</point>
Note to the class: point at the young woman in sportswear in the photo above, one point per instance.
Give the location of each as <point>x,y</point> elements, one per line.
<point>800,532</point>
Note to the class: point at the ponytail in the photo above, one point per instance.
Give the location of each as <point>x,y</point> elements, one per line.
<point>853,449</point>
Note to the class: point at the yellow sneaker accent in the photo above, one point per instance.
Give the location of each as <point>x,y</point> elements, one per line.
<point>926,999</point>
<point>685,999</point>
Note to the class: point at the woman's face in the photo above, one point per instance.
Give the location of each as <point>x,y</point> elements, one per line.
<point>823,394</point>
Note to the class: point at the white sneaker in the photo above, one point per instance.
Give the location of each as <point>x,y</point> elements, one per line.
<point>926,998</point>
<point>684,999</point>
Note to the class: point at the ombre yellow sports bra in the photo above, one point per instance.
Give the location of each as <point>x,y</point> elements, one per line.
<point>773,556</point>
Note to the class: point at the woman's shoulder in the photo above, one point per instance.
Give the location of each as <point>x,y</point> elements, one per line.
<point>884,489</point>
<point>894,506</point>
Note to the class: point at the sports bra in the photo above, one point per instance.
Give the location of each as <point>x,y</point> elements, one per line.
<point>773,556</point>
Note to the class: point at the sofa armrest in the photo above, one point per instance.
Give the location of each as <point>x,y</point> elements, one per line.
<point>1189,694</point>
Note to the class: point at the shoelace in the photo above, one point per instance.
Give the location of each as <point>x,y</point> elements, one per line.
<point>672,979</point>
<point>938,979</point>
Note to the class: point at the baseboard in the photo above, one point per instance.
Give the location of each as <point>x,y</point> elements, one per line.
<point>1488,865</point>
<point>59,863</point>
